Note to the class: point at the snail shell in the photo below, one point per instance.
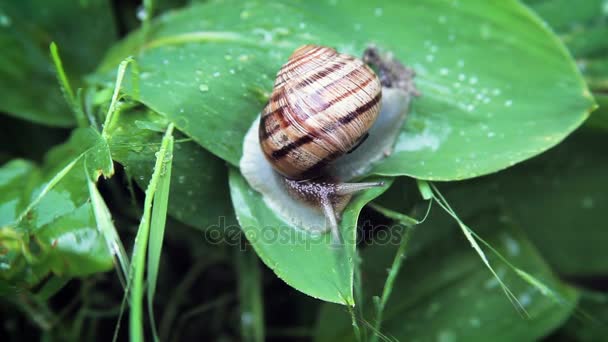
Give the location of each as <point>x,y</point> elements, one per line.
<point>323,104</point>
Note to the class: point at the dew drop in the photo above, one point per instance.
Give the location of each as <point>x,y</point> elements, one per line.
<point>141,13</point>
<point>587,203</point>
<point>5,21</point>
<point>203,88</point>
<point>444,71</point>
<point>475,322</point>
<point>508,103</point>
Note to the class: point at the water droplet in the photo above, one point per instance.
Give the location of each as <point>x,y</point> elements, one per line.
<point>444,71</point>
<point>181,179</point>
<point>217,74</point>
<point>475,322</point>
<point>446,336</point>
<point>5,21</point>
<point>141,13</point>
<point>587,203</point>
<point>460,63</point>
<point>473,80</point>
<point>462,77</point>
<point>246,318</point>
<point>378,12</point>
<point>508,103</point>
<point>491,134</point>
<point>442,19</point>
<point>430,58</point>
<point>203,88</point>
<point>512,245</point>
<point>228,57</point>
<point>165,61</point>
<point>245,14</point>
<point>525,299</point>
<point>231,71</point>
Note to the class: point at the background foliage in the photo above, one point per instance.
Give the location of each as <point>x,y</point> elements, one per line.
<point>122,141</point>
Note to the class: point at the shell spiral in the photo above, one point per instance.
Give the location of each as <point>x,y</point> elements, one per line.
<point>322,105</point>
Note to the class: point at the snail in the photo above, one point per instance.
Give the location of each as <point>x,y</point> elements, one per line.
<point>329,118</point>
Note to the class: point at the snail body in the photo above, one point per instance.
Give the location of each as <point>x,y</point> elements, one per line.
<point>322,105</point>
<point>311,137</point>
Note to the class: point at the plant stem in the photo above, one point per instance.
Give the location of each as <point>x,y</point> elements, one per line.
<point>390,280</point>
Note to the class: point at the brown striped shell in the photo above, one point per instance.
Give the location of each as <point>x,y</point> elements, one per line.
<point>322,105</point>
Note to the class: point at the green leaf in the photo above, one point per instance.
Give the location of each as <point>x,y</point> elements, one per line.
<point>591,322</point>
<point>583,29</point>
<point>309,263</point>
<point>47,223</point>
<point>599,118</point>
<point>444,292</point>
<point>199,195</point>
<point>211,76</point>
<point>83,30</point>
<point>559,199</point>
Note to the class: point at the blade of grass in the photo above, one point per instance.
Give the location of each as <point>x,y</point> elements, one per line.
<point>136,324</point>
<point>358,291</point>
<point>250,296</point>
<point>68,93</point>
<point>405,220</point>
<point>436,196</point>
<point>157,229</point>
<point>390,281</point>
<point>120,75</point>
<point>103,217</point>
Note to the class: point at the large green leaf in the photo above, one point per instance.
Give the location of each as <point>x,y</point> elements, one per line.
<point>47,223</point>
<point>584,29</point>
<point>445,293</point>
<point>209,68</point>
<point>82,29</point>
<point>592,322</point>
<point>559,199</point>
<point>310,263</point>
<point>199,181</point>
